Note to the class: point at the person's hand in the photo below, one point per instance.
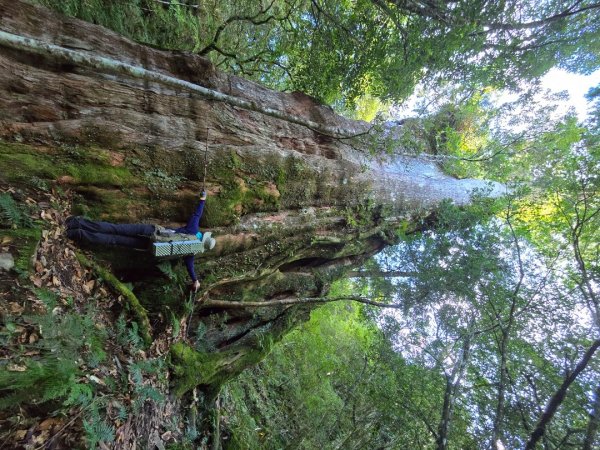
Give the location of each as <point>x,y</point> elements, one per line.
<point>203,195</point>
<point>195,286</point>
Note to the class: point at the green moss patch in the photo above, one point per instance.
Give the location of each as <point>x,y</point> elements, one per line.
<point>211,370</point>
<point>66,164</point>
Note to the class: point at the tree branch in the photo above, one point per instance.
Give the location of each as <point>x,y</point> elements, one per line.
<point>171,2</point>
<point>380,273</point>
<point>297,301</point>
<point>537,23</point>
<point>558,397</point>
<point>247,18</point>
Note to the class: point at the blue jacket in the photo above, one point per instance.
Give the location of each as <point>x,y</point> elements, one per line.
<point>192,228</point>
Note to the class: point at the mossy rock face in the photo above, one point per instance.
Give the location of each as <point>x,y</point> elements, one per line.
<point>67,164</point>
<point>131,184</point>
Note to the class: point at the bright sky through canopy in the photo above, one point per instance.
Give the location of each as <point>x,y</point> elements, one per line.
<point>576,85</point>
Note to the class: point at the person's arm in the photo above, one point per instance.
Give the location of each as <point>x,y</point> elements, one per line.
<point>189,264</point>
<point>194,222</point>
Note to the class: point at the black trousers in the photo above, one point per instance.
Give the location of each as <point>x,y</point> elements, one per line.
<point>136,235</point>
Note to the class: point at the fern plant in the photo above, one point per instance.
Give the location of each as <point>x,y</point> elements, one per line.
<point>39,382</point>
<point>55,373</point>
<point>97,430</point>
<point>12,214</point>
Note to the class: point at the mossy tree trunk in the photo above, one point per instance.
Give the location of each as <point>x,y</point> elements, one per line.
<point>292,208</point>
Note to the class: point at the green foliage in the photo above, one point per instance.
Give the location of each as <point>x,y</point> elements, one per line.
<point>328,384</point>
<point>97,430</point>
<point>66,338</point>
<point>80,395</point>
<point>127,335</point>
<point>147,21</point>
<point>13,215</point>
<point>25,241</point>
<point>48,298</point>
<point>139,372</point>
<point>497,311</point>
<point>200,343</point>
<point>39,382</point>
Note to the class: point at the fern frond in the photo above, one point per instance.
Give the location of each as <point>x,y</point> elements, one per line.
<point>12,214</point>
<point>40,382</point>
<point>97,430</point>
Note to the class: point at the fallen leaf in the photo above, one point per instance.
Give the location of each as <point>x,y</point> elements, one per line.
<point>49,423</point>
<point>15,308</point>
<point>6,240</point>
<point>90,285</point>
<point>16,368</point>
<point>55,281</point>
<point>37,281</point>
<point>33,338</point>
<point>42,437</point>
<point>20,434</point>
<point>44,232</point>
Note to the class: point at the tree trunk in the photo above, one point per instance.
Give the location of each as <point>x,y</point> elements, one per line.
<point>453,384</point>
<point>593,423</point>
<point>292,201</point>
<point>557,398</point>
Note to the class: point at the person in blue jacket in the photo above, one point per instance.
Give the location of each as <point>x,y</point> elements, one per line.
<point>136,235</point>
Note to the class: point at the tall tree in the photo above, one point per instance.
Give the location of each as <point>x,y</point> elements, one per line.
<point>294,199</point>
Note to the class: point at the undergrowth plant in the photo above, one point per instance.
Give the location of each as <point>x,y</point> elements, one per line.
<point>55,373</point>
<point>38,382</point>
<point>72,342</point>
<point>13,215</point>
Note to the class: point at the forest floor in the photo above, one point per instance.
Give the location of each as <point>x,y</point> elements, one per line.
<point>74,370</point>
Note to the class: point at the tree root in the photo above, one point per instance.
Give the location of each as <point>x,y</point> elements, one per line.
<point>132,301</point>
